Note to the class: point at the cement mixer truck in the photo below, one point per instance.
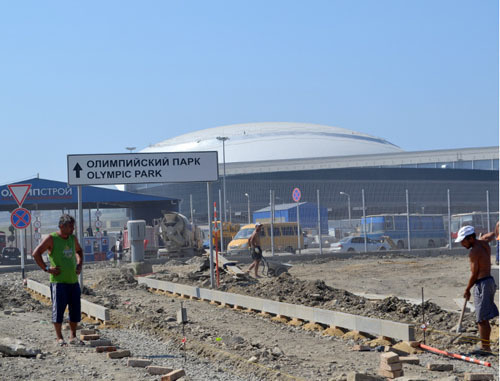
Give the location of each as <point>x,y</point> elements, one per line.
<point>179,236</point>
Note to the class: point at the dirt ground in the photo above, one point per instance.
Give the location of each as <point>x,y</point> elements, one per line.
<point>230,338</point>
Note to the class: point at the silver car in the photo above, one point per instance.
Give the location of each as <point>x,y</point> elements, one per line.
<point>357,244</point>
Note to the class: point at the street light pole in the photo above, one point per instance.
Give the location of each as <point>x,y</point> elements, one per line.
<point>223,139</point>
<point>248,205</point>
<point>348,205</point>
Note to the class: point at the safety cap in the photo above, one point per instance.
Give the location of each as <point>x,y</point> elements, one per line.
<point>464,232</point>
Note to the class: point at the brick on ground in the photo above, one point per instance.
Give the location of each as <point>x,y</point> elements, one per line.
<point>440,367</point>
<point>88,332</point>
<point>392,367</point>
<point>354,376</point>
<point>390,374</point>
<point>409,360</point>
<point>118,354</point>
<point>89,337</point>
<point>138,363</point>
<point>105,348</point>
<point>478,376</point>
<point>174,375</point>
<point>158,370</point>
<point>389,357</point>
<point>100,343</point>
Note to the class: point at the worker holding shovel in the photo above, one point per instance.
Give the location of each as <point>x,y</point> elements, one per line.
<point>483,282</point>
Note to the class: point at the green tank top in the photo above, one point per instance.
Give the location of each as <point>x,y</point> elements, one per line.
<point>63,255</point>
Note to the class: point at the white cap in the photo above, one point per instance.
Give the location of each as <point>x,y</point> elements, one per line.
<point>258,224</point>
<point>464,232</point>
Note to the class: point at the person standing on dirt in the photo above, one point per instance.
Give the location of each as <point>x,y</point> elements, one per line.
<point>481,279</point>
<point>256,251</point>
<point>65,264</point>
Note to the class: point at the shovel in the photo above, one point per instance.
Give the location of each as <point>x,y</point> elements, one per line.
<point>458,328</point>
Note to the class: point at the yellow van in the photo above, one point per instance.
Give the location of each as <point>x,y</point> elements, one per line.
<point>285,238</point>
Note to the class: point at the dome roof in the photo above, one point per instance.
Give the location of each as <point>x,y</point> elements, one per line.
<point>276,141</point>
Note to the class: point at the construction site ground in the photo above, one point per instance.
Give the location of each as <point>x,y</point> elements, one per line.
<point>226,344</point>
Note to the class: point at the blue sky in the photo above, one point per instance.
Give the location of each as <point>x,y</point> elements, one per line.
<point>98,76</point>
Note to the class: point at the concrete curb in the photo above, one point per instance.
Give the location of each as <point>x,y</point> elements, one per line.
<point>92,310</point>
<point>373,326</point>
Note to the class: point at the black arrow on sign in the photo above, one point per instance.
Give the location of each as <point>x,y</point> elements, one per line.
<point>77,169</point>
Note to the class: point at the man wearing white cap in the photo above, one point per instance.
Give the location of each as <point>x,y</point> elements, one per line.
<point>484,290</point>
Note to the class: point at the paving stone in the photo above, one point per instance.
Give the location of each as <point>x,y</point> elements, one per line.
<point>100,343</point>
<point>409,360</point>
<point>478,376</point>
<point>389,357</point>
<point>105,348</point>
<point>440,367</point>
<point>158,370</point>
<point>353,376</point>
<point>138,363</point>
<point>393,366</point>
<point>174,375</point>
<point>89,337</point>
<point>390,374</point>
<point>88,332</point>
<point>118,354</point>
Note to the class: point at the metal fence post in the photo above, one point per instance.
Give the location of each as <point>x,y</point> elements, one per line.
<point>364,218</point>
<point>408,219</point>
<point>271,215</point>
<point>449,220</point>
<point>488,209</point>
<point>221,228</point>
<point>319,227</point>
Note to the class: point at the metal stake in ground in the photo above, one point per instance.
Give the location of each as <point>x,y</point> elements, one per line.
<point>183,333</point>
<point>423,314</point>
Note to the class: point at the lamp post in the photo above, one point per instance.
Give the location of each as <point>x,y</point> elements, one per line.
<point>248,206</point>
<point>223,139</point>
<point>348,205</point>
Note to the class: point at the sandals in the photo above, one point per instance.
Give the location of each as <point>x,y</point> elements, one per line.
<point>61,342</point>
<point>76,342</point>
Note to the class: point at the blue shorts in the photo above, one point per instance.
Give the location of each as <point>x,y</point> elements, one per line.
<point>484,299</point>
<point>62,295</point>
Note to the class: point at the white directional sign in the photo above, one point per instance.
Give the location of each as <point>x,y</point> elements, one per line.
<point>141,168</point>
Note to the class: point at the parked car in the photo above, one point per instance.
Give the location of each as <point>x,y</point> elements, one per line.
<point>10,256</point>
<point>357,244</point>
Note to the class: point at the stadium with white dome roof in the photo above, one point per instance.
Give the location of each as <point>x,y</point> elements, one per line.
<point>280,156</point>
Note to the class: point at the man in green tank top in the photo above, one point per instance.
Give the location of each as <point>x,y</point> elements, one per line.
<point>66,259</point>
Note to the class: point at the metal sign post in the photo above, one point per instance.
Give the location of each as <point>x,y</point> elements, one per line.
<point>141,168</point>
<point>296,195</point>
<point>210,234</point>
<point>20,217</point>
<point>80,229</point>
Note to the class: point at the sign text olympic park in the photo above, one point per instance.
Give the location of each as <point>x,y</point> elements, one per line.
<point>141,168</point>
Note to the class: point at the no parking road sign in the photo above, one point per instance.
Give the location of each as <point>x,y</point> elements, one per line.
<point>296,194</point>
<point>20,218</point>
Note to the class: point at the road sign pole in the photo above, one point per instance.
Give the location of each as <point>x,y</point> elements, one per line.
<point>299,234</point>
<point>22,252</point>
<point>80,229</point>
<point>210,240</point>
